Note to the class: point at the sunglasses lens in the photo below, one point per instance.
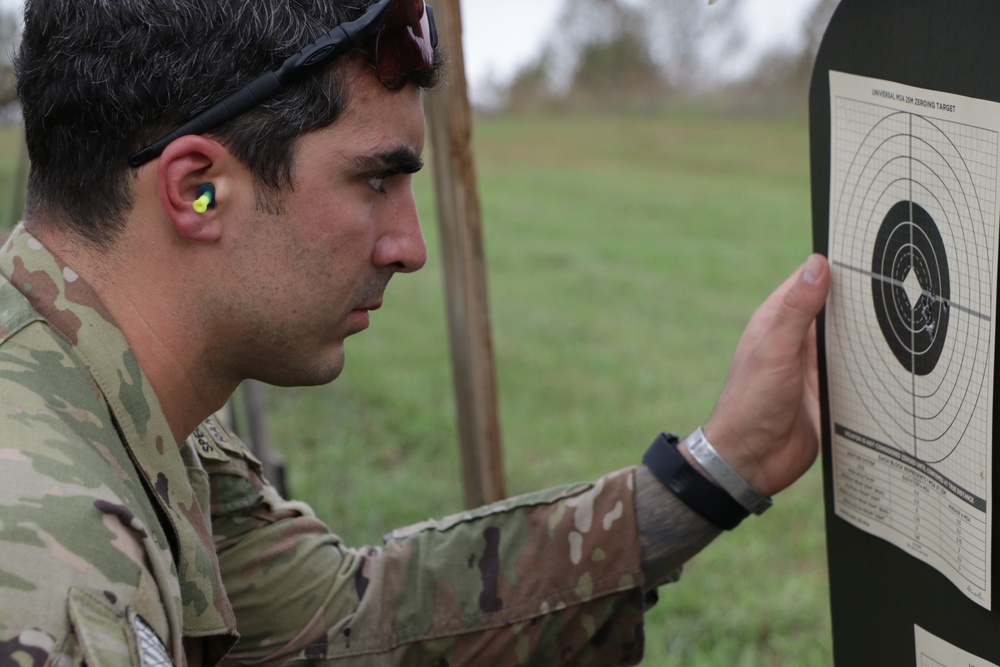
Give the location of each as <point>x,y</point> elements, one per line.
<point>404,42</point>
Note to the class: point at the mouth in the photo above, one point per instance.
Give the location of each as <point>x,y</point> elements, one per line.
<point>360,317</point>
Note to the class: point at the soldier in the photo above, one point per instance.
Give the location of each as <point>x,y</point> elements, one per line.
<point>220,190</point>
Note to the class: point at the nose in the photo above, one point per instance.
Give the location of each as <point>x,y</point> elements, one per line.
<point>401,245</point>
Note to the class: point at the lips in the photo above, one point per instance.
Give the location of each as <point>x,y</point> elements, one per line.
<point>359,316</point>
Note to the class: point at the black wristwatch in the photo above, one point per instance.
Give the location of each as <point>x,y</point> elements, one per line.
<point>670,467</point>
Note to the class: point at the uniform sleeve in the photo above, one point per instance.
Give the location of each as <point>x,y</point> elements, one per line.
<point>548,578</point>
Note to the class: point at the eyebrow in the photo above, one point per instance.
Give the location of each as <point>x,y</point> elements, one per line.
<point>403,160</point>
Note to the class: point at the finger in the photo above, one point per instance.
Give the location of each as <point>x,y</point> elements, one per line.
<point>797,302</point>
<point>810,395</point>
<point>811,361</point>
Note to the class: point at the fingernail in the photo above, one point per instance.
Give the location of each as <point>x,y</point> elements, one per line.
<point>812,270</point>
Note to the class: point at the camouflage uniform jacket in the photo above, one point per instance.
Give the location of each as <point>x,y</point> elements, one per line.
<point>117,546</point>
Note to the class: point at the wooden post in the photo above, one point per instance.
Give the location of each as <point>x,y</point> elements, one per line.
<point>449,119</point>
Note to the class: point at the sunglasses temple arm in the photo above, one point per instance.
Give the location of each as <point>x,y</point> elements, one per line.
<point>269,84</point>
<point>261,89</point>
<point>433,26</point>
<point>334,43</point>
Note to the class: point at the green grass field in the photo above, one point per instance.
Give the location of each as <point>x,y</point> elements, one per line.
<point>625,255</point>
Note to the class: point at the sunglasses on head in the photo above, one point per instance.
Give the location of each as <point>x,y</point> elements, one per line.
<point>399,37</point>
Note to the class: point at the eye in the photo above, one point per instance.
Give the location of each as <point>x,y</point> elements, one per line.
<point>377,181</point>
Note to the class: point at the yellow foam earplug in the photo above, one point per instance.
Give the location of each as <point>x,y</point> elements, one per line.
<point>206,198</point>
<point>201,203</point>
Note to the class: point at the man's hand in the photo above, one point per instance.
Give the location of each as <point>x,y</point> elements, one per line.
<point>766,422</point>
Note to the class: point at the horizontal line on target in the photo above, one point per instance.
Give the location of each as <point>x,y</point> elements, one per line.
<point>898,283</point>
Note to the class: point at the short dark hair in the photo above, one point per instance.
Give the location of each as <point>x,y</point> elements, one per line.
<point>101,79</point>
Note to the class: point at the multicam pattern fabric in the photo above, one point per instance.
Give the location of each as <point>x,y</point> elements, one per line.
<point>117,543</point>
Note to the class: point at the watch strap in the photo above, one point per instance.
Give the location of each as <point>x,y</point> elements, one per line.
<point>695,490</point>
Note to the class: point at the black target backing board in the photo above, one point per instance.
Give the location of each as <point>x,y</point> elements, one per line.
<point>904,140</point>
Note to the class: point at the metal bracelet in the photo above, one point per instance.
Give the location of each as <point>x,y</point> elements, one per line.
<point>704,453</point>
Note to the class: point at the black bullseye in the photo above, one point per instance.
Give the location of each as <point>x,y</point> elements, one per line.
<point>909,242</point>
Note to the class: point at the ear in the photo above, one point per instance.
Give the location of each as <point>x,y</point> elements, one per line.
<point>187,163</point>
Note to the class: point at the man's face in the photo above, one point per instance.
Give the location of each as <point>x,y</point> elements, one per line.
<point>308,277</point>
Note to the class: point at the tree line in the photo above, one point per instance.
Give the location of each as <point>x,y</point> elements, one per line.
<point>610,54</point>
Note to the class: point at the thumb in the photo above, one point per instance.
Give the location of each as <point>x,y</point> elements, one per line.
<point>800,299</point>
<point>812,284</point>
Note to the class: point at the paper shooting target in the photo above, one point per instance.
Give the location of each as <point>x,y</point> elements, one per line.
<point>912,217</point>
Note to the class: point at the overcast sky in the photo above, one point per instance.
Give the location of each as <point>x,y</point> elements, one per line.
<point>499,36</point>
